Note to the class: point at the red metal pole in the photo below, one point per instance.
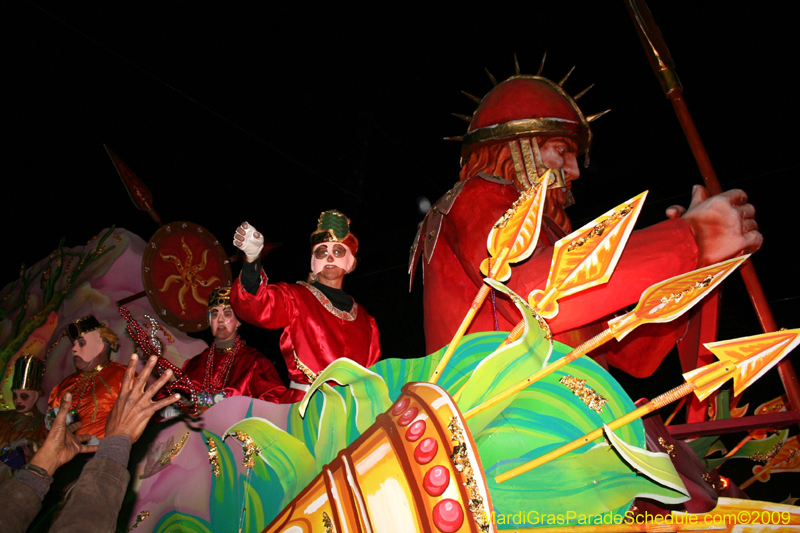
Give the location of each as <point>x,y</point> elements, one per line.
<point>664,67</point>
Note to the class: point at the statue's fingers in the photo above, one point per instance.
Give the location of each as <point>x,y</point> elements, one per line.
<point>749,224</point>
<point>675,211</point>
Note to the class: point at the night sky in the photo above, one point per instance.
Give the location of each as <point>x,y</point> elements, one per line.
<point>272,115</point>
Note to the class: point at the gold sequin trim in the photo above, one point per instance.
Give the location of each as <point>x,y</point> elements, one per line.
<point>759,457</point>
<point>599,228</point>
<point>508,215</point>
<point>307,372</point>
<point>461,463</point>
<point>593,401</point>
<point>678,295</point>
<point>327,523</point>
<point>249,447</point>
<point>172,452</point>
<point>141,517</point>
<point>669,448</point>
<point>338,313</point>
<point>213,456</point>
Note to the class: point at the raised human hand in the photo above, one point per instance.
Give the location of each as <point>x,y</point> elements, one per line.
<point>61,444</point>
<point>248,240</point>
<point>723,226</point>
<point>134,406</point>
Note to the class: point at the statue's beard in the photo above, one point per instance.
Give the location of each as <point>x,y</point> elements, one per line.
<point>554,208</point>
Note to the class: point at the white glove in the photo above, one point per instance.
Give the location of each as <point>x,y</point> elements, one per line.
<point>248,240</point>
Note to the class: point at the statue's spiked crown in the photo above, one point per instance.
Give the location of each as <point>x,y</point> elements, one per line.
<point>527,105</point>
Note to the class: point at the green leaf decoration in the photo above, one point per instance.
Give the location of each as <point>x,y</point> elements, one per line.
<point>506,366</point>
<point>369,393</point>
<point>547,415</point>
<point>175,522</point>
<point>304,428</point>
<point>224,488</point>
<point>656,466</point>
<point>761,447</point>
<point>472,349</point>
<point>594,483</point>
<point>705,446</point>
<point>331,437</point>
<point>294,466</point>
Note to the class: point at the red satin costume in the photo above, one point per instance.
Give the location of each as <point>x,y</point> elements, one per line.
<point>252,374</point>
<point>312,328</point>
<point>93,396</point>
<point>452,279</point>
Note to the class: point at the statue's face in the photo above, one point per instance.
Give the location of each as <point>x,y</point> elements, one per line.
<point>25,400</point>
<point>560,152</point>
<point>86,350</point>
<point>224,324</point>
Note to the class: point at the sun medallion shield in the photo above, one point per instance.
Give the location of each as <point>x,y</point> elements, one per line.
<point>182,264</point>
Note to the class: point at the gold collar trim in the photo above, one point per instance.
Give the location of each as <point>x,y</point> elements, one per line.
<point>338,313</point>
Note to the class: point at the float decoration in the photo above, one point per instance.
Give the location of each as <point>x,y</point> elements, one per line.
<point>588,256</point>
<point>182,264</point>
<point>57,276</point>
<point>741,359</point>
<point>513,238</point>
<point>662,302</point>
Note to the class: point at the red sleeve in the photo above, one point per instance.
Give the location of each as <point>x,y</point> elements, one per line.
<point>271,307</point>
<point>651,255</point>
<point>268,386</point>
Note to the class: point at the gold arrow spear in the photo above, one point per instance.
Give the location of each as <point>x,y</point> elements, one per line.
<point>513,238</point>
<point>662,302</point>
<point>745,360</point>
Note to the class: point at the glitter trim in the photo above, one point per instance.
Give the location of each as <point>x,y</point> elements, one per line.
<point>461,463</point>
<point>593,401</point>
<point>172,452</point>
<point>213,456</point>
<point>249,447</point>
<point>338,313</point>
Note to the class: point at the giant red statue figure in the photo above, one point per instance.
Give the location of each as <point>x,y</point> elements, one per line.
<point>522,127</point>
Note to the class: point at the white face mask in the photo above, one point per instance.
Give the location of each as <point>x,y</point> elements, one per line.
<point>345,262</point>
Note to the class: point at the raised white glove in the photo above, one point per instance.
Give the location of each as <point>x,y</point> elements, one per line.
<point>248,240</point>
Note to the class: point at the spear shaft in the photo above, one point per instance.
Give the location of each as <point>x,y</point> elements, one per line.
<point>660,59</point>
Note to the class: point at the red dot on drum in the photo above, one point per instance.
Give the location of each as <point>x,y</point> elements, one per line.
<point>448,515</point>
<point>408,416</point>
<point>415,430</point>
<point>400,406</point>
<point>436,480</point>
<point>426,450</point>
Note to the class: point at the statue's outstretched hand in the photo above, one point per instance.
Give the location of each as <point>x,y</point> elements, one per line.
<point>723,226</point>
<point>248,240</point>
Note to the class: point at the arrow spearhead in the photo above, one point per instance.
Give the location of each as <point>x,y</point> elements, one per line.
<point>745,360</point>
<point>667,300</point>
<point>517,230</point>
